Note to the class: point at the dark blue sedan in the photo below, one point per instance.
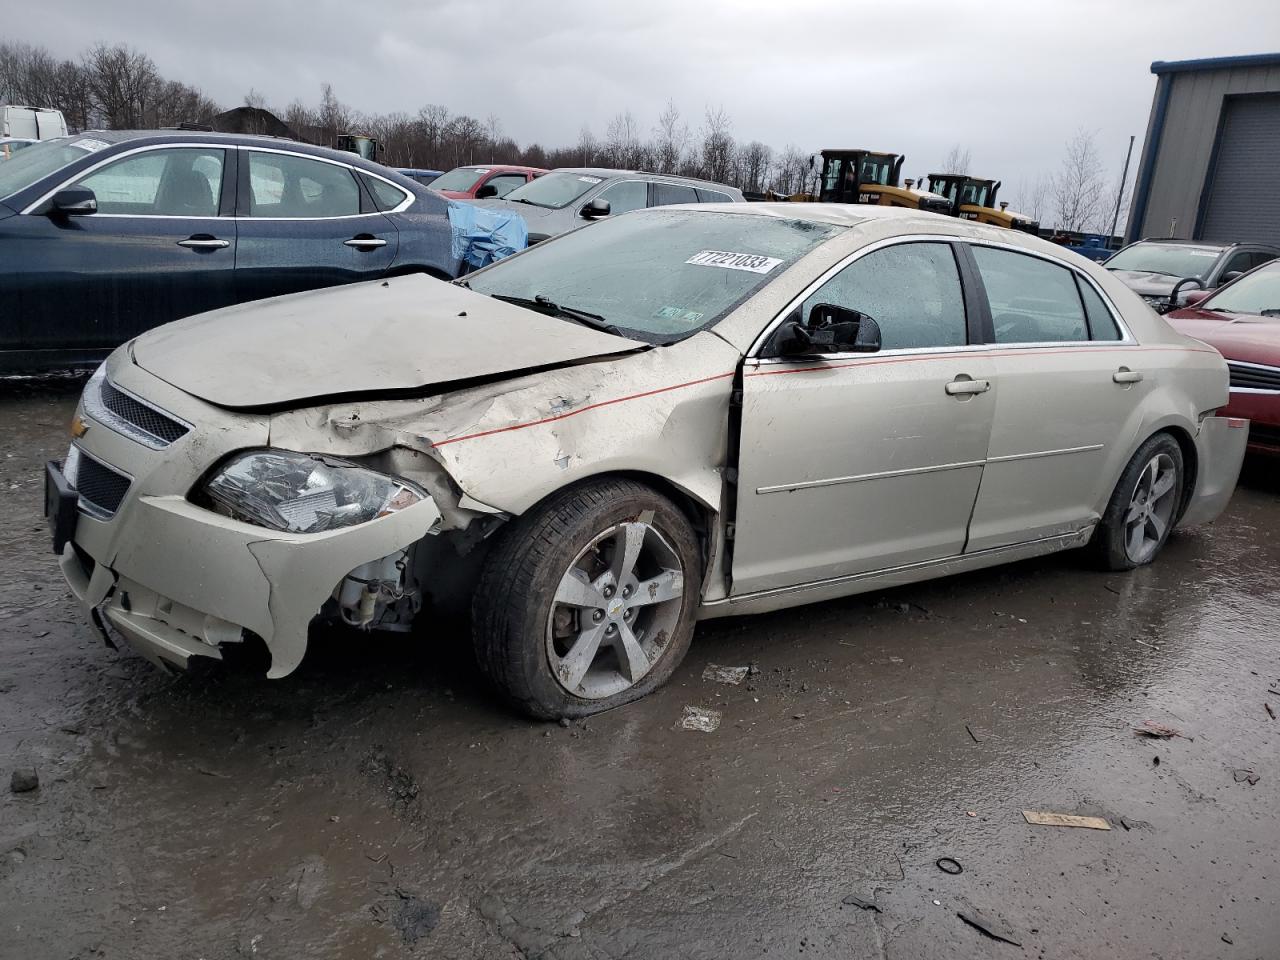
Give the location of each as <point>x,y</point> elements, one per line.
<point>109,233</point>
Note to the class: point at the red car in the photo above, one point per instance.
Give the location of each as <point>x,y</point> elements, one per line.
<point>1242,320</point>
<point>483,180</point>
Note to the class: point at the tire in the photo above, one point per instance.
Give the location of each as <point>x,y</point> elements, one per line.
<point>559,577</point>
<point>1116,543</point>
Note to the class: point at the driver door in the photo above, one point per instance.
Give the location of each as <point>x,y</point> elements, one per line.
<point>861,461</point>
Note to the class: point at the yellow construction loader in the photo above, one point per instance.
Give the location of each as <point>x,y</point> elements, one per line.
<point>865,176</point>
<point>972,198</point>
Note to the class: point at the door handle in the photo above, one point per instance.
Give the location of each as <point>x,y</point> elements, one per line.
<point>966,387</point>
<point>365,243</point>
<point>204,243</point>
<point>1125,375</point>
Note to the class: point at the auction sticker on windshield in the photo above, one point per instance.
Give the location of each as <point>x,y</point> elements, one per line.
<point>750,262</point>
<point>88,143</point>
<point>590,179</point>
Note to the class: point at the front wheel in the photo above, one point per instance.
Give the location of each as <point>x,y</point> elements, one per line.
<point>587,602</point>
<point>1143,508</point>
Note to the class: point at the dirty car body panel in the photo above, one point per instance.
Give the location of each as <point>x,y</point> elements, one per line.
<point>947,444</point>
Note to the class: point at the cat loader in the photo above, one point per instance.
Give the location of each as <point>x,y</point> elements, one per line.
<point>972,198</point>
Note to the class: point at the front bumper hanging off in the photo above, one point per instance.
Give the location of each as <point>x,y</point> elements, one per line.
<point>183,580</point>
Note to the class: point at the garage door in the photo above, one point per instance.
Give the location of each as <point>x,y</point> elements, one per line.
<point>1244,203</point>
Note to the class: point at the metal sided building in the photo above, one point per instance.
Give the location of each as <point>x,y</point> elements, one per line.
<point>1210,166</point>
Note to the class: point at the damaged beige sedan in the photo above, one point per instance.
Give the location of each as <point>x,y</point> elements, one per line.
<point>674,414</point>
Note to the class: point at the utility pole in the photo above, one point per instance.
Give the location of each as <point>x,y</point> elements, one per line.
<point>1124,177</point>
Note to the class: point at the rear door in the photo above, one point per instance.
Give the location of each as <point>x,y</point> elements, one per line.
<point>161,246</point>
<point>306,222</point>
<point>1067,409</point>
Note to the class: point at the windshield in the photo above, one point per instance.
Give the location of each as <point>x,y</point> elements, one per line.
<point>1171,259</point>
<point>41,159</point>
<point>461,179</point>
<point>554,190</point>
<point>1254,293</point>
<point>658,276</point>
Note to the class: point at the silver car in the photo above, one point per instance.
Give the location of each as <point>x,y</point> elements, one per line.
<point>676,414</point>
<point>569,198</point>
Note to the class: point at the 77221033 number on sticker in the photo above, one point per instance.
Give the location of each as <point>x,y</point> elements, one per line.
<point>750,262</point>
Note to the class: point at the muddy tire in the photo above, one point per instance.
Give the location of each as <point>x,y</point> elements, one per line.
<point>587,601</point>
<point>1144,507</point>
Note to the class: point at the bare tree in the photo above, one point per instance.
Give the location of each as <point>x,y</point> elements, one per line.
<point>957,160</point>
<point>717,145</point>
<point>256,100</point>
<point>671,138</point>
<point>587,149</point>
<point>464,134</point>
<point>755,160</point>
<point>121,83</point>
<point>1032,199</point>
<point>333,117</point>
<point>622,142</point>
<point>1078,191</point>
<point>791,172</point>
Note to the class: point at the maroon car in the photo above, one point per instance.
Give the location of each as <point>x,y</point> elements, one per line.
<point>1242,320</point>
<point>483,180</point>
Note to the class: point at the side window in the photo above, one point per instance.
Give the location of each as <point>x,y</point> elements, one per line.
<point>504,183</point>
<point>713,196</point>
<point>387,195</point>
<point>912,290</point>
<point>285,185</point>
<point>1102,324</point>
<point>1032,300</point>
<point>1258,259</point>
<point>1239,262</point>
<point>627,195</point>
<point>666,193</point>
<point>182,182</point>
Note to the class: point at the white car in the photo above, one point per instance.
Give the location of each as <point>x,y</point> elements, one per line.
<point>673,414</point>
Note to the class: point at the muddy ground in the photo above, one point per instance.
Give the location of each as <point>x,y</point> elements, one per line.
<point>379,803</point>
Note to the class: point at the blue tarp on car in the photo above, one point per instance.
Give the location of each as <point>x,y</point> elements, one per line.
<point>481,236</point>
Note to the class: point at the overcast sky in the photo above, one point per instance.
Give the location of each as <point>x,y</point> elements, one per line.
<point>1009,79</point>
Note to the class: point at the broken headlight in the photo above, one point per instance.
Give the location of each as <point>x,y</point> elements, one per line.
<point>303,493</point>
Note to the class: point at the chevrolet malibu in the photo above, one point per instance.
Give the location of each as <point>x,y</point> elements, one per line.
<point>675,414</point>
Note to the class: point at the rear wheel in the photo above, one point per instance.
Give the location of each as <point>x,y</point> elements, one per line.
<point>1144,506</point>
<point>587,602</point>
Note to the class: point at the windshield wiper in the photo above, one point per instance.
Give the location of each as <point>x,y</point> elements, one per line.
<point>549,306</point>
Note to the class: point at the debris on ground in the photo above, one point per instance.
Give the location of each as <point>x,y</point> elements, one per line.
<point>1158,731</point>
<point>729,675</point>
<point>1245,776</point>
<point>949,865</point>
<point>24,780</point>
<point>1227,939</point>
<point>1129,824</point>
<point>1046,819</point>
<point>414,918</point>
<point>855,901</point>
<point>697,718</point>
<point>1270,713</point>
<point>976,738</point>
<point>986,925</point>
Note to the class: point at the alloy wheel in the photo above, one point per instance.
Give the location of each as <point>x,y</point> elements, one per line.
<point>1151,508</point>
<point>614,611</point>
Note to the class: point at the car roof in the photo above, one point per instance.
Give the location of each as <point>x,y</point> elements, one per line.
<point>1210,244</point>
<point>514,168</point>
<point>606,173</point>
<point>233,139</point>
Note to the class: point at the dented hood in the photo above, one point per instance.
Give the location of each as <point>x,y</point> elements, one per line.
<point>389,338</point>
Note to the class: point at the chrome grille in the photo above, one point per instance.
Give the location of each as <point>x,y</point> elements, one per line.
<point>1253,376</point>
<point>102,488</point>
<point>130,415</point>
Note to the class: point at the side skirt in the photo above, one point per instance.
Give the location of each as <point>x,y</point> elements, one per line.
<point>779,598</point>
